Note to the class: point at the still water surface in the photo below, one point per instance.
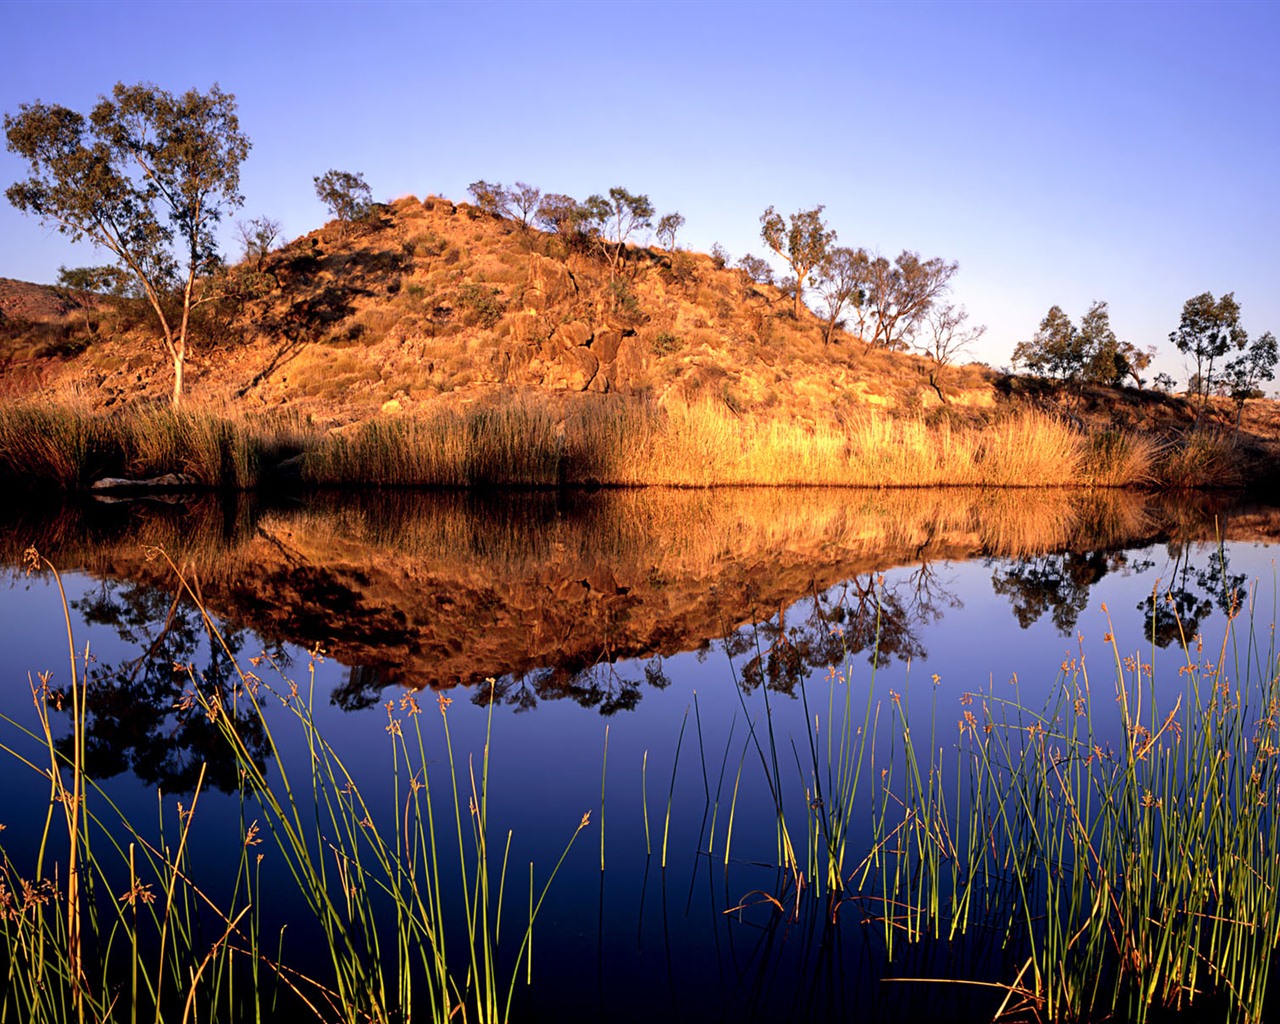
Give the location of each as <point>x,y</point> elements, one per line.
<point>660,623</point>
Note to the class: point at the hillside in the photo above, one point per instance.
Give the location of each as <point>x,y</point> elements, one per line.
<point>432,305</point>
<point>434,299</point>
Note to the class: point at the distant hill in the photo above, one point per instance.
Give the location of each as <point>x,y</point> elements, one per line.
<point>21,300</point>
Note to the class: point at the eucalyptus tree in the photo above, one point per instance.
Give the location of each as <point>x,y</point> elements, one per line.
<point>756,270</point>
<point>668,225</point>
<point>803,243</point>
<point>1055,350</point>
<point>615,218</point>
<point>490,197</point>
<point>147,176</point>
<point>947,332</point>
<point>1088,354</point>
<point>259,236</point>
<point>1208,330</point>
<point>526,199</point>
<point>1243,376</point>
<point>901,294</point>
<point>83,287</point>
<point>841,280</point>
<point>560,213</point>
<point>346,194</point>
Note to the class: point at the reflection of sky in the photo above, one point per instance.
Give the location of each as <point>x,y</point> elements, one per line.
<point>546,764</point>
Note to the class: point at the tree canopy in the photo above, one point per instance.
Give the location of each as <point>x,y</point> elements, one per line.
<point>147,175</point>
<point>841,280</point>
<point>804,243</point>
<point>490,197</point>
<point>900,294</point>
<point>615,218</point>
<point>347,195</point>
<point>1208,330</point>
<point>1088,354</point>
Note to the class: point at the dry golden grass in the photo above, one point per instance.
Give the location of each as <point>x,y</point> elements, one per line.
<point>706,444</point>
<point>528,440</point>
<point>511,443</point>
<point>68,446</point>
<point>1205,457</point>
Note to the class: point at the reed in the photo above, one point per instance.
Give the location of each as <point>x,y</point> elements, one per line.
<point>1203,457</point>
<point>68,447</point>
<point>705,445</point>
<point>410,905</point>
<point>1124,860</point>
<point>514,443</point>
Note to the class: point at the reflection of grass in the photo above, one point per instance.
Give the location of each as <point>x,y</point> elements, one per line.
<point>678,531</point>
<point>1125,867</point>
<point>410,902</point>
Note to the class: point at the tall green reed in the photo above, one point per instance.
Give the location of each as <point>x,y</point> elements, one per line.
<point>1127,861</point>
<point>409,900</point>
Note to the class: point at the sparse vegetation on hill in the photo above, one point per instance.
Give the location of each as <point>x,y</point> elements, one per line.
<point>418,301</point>
<point>433,342</point>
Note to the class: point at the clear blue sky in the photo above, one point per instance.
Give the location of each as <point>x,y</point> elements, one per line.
<point>1060,152</point>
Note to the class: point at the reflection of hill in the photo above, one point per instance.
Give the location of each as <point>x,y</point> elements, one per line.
<point>436,590</point>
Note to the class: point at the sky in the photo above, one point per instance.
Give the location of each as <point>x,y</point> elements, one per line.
<point>1061,153</point>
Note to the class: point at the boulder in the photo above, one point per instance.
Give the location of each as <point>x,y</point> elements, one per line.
<point>550,282</point>
<point>167,482</point>
<point>575,371</point>
<point>528,328</point>
<point>572,335</point>
<point>630,359</point>
<point>605,345</point>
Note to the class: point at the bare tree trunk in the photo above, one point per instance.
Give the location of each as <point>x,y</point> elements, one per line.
<point>179,365</point>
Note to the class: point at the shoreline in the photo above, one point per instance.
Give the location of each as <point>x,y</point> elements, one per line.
<point>527,444</point>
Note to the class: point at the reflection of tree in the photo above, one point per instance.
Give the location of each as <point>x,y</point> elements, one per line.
<point>598,685</point>
<point>1176,610</point>
<point>1058,584</point>
<point>362,689</point>
<point>863,614</point>
<point>138,718</point>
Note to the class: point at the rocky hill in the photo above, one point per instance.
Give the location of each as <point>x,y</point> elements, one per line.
<point>430,303</point>
<point>432,299</point>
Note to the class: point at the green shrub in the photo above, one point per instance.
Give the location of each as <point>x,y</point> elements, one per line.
<point>481,306</point>
<point>665,343</point>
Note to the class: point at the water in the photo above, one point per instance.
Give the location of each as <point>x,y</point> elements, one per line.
<point>647,620</point>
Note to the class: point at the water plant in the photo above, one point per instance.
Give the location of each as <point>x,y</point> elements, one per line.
<point>1124,864</point>
<point>404,898</point>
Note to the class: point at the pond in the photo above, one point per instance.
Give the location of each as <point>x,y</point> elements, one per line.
<point>762,702</point>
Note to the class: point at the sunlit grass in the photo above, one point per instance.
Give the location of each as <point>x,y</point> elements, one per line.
<point>525,440</point>
<point>70,447</point>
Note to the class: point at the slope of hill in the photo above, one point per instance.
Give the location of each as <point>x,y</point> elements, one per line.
<point>429,306</point>
<point>433,299</point>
